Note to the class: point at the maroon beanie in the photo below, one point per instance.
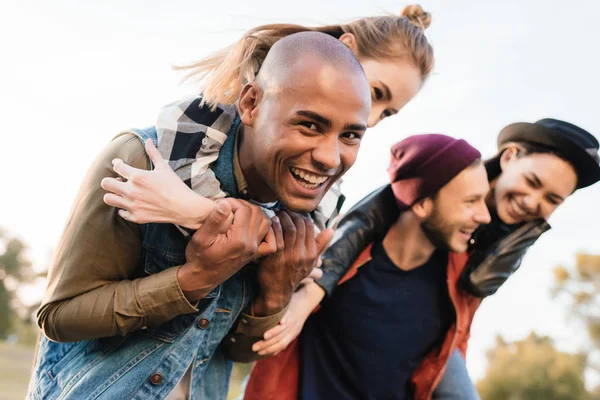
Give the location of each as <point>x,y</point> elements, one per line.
<point>422,164</point>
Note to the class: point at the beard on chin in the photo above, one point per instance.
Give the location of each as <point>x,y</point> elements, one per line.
<point>433,228</point>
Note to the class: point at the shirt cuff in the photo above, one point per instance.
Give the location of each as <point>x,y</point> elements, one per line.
<point>161,297</point>
<point>249,325</point>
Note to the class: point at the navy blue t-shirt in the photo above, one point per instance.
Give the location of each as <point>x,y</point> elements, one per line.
<point>369,337</point>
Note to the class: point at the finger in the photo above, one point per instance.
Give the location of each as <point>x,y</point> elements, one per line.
<point>275,331</point>
<point>276,347</point>
<point>154,154</point>
<point>300,225</point>
<point>316,273</point>
<point>310,242</point>
<point>266,344</point>
<point>273,337</point>
<point>323,239</point>
<point>319,262</point>
<point>276,226</point>
<point>269,335</point>
<point>306,281</point>
<point>209,230</point>
<point>268,245</point>
<point>264,226</point>
<point>228,222</point>
<point>126,215</point>
<point>123,169</point>
<point>242,213</point>
<point>114,200</point>
<point>114,185</point>
<point>288,227</point>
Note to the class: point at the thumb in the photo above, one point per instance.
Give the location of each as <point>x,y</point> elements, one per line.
<point>154,154</point>
<point>323,239</point>
<point>213,224</point>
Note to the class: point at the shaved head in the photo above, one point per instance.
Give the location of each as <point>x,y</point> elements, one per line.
<point>290,56</point>
<point>303,118</point>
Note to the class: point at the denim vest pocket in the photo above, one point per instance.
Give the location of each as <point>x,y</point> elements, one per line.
<point>169,331</point>
<point>68,358</point>
<point>159,260</point>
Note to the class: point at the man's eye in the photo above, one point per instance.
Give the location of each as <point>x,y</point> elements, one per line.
<point>309,125</point>
<point>352,136</point>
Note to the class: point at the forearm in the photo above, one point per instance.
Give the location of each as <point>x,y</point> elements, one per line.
<point>192,212</point>
<point>115,308</point>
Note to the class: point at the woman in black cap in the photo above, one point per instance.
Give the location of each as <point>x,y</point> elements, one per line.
<point>537,167</point>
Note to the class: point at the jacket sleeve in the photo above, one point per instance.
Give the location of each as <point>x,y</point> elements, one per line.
<point>247,330</point>
<point>367,221</point>
<point>95,285</point>
<point>496,255</point>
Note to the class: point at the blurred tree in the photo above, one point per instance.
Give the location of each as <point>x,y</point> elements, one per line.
<point>533,369</point>
<point>15,269</point>
<point>581,288</point>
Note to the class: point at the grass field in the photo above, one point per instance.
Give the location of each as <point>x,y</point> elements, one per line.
<point>16,363</point>
<point>15,366</point>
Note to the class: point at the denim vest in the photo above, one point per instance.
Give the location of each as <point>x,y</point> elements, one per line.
<point>128,367</point>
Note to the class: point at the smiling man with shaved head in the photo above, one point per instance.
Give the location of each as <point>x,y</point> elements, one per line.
<point>303,120</point>
<point>138,311</point>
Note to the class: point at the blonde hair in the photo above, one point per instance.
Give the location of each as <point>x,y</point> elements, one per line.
<point>224,73</point>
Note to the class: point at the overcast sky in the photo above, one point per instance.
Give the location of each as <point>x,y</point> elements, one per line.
<point>74,74</point>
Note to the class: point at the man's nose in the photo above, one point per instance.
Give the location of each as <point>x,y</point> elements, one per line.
<point>327,153</point>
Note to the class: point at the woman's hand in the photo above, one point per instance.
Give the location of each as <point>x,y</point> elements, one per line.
<point>301,306</point>
<point>155,196</point>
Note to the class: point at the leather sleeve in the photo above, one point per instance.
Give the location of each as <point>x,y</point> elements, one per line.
<point>367,221</point>
<point>496,255</point>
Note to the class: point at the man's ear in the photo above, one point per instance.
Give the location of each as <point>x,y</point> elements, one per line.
<point>511,152</point>
<point>423,208</point>
<point>350,41</point>
<point>248,103</point>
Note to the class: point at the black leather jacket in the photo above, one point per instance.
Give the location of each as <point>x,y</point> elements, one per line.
<point>496,249</point>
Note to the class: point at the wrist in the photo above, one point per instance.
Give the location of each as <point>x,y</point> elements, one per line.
<point>266,304</point>
<point>193,285</point>
<point>314,293</point>
<point>193,210</point>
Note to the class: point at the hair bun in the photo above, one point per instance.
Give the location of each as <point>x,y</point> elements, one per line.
<point>417,16</point>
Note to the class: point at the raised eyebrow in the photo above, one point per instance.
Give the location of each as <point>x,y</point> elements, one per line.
<point>313,115</point>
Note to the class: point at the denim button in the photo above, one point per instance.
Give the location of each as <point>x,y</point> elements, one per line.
<point>156,379</point>
<point>203,323</point>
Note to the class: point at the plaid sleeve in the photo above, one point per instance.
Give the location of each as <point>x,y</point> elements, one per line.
<point>325,216</point>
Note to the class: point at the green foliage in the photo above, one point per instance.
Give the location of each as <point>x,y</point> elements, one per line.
<point>581,287</point>
<point>533,369</point>
<point>15,269</point>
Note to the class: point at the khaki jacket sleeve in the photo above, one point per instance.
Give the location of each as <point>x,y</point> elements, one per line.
<point>97,287</point>
<point>248,330</point>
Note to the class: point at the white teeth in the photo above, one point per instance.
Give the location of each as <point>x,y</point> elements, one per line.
<point>315,180</point>
<point>517,209</point>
